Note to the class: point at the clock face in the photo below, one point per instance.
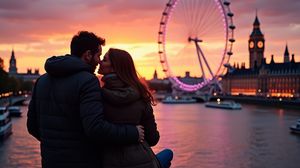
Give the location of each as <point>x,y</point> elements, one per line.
<point>260,44</point>
<point>251,44</point>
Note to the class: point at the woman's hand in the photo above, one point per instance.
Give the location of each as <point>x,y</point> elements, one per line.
<point>141,133</point>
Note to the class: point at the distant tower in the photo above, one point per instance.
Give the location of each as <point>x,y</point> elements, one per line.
<point>155,75</point>
<point>256,44</point>
<point>36,71</point>
<point>13,64</point>
<point>286,57</point>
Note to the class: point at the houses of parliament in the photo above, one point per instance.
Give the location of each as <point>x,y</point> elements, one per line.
<point>13,70</point>
<point>261,78</point>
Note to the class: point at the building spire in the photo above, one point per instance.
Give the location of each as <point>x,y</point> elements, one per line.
<point>155,75</point>
<point>286,57</point>
<point>13,63</point>
<point>256,27</point>
<point>293,58</point>
<point>256,21</point>
<point>272,59</point>
<point>13,54</point>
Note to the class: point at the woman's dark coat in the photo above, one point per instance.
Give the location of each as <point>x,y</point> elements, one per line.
<point>123,105</point>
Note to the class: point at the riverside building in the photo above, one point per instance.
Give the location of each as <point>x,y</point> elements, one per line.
<point>261,78</point>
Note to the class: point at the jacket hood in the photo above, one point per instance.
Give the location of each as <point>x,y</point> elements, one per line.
<point>117,92</point>
<point>66,65</point>
<point>112,81</point>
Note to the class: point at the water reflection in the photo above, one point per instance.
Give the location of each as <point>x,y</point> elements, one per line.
<point>214,138</point>
<point>20,149</point>
<point>200,137</point>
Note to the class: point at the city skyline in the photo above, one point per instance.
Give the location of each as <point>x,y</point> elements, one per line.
<point>39,29</point>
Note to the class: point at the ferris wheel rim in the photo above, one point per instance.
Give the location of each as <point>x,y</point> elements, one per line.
<point>229,33</point>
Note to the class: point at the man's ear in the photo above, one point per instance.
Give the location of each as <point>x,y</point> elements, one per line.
<point>87,56</point>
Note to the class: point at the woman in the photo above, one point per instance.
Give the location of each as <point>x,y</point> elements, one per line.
<point>128,101</point>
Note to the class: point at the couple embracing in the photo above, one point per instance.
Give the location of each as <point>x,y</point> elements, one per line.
<point>80,124</point>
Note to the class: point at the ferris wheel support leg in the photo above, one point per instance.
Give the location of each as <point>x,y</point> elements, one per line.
<point>216,86</point>
<point>205,61</point>
<point>199,58</point>
<point>220,86</point>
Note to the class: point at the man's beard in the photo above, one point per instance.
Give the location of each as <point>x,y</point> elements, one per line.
<point>93,65</point>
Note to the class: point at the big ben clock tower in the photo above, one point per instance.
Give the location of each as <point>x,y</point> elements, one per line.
<point>13,64</point>
<point>256,44</point>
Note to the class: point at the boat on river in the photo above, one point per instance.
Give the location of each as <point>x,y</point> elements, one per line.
<point>295,128</point>
<point>5,123</point>
<point>15,111</point>
<point>178,100</point>
<point>224,105</point>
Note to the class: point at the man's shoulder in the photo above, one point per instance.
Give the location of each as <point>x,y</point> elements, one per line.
<point>81,74</point>
<point>82,77</point>
<point>43,77</point>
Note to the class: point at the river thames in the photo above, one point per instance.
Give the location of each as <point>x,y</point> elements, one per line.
<point>254,137</point>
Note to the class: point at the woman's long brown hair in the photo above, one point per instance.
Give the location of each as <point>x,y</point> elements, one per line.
<point>123,66</point>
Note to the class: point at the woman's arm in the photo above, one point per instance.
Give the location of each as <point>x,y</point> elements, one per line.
<point>148,121</point>
<point>92,118</point>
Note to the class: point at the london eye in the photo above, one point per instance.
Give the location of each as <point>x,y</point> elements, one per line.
<point>195,36</point>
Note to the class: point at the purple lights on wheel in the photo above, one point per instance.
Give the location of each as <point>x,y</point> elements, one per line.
<point>189,88</point>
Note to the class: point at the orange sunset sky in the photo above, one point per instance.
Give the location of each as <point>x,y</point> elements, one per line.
<point>37,29</point>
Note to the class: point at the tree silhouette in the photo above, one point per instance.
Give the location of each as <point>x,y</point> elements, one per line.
<point>1,63</point>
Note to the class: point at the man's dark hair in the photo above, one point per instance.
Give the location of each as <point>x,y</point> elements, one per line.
<point>84,41</point>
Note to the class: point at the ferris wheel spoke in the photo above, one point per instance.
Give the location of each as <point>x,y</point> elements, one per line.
<point>212,28</point>
<point>209,25</point>
<point>208,28</point>
<point>194,15</point>
<point>183,10</point>
<point>188,15</point>
<point>200,19</point>
<point>207,13</point>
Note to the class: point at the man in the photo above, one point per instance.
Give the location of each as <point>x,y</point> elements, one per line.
<point>66,112</point>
